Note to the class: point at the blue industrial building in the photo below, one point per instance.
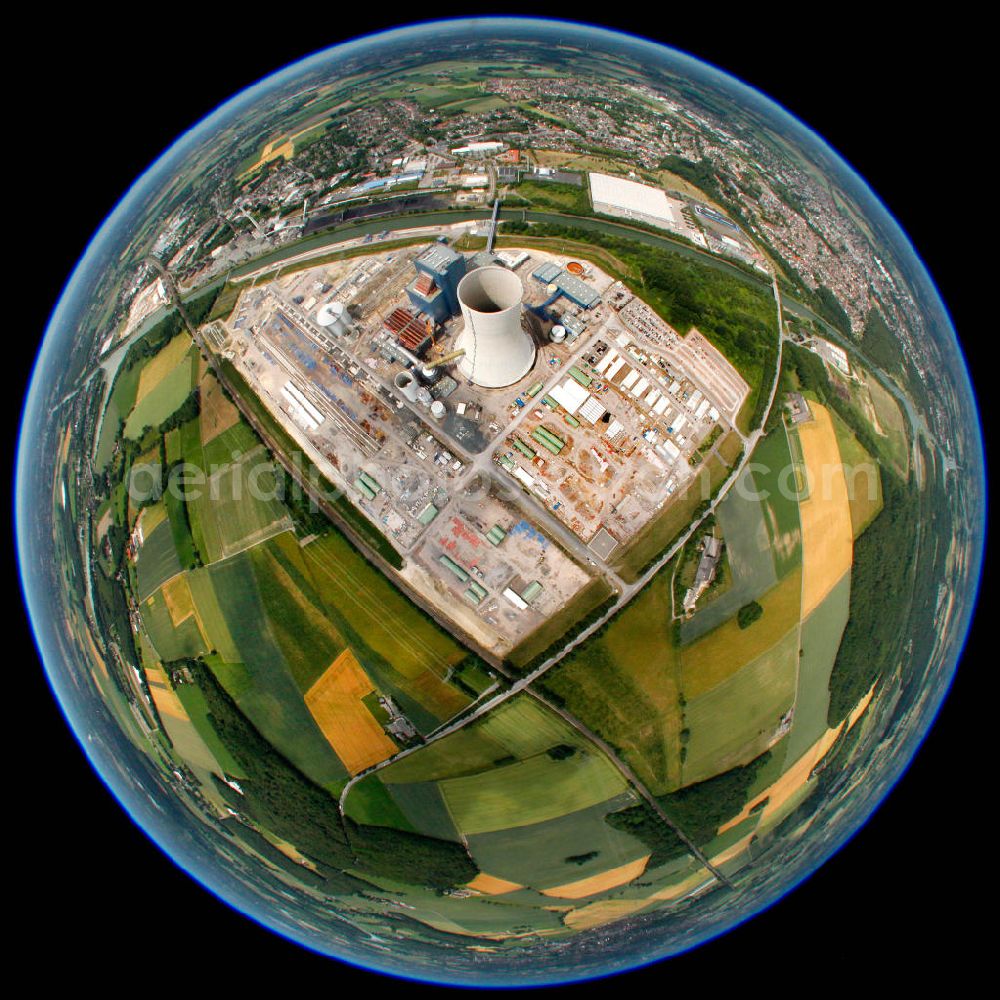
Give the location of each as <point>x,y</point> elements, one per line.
<point>567,284</point>
<point>437,297</point>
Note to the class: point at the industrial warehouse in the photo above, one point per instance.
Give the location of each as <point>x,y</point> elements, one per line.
<point>509,419</point>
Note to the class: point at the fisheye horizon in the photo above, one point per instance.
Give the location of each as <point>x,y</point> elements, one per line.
<point>500,501</point>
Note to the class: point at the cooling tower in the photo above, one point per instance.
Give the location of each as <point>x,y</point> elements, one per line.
<point>498,352</point>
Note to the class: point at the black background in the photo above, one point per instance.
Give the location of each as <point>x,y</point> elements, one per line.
<point>100,97</point>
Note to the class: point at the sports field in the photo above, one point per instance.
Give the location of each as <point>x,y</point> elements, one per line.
<point>827,535</point>
<point>335,703</point>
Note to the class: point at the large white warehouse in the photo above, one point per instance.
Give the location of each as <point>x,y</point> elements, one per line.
<point>630,200</point>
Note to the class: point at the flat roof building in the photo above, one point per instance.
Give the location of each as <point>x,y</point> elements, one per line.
<point>629,200</point>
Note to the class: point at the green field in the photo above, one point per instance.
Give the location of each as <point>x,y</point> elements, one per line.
<point>423,807</point>
<point>120,403</point>
<point>371,803</point>
<point>537,855</point>
<point>405,652</point>
<point>774,477</point>
<point>734,721</point>
<point>260,681</point>
<point>232,443</point>
<point>157,561</point>
<point>530,791</point>
<point>172,642</point>
<point>864,481</point>
<point>165,397</point>
<point>237,507</point>
<point>741,518</point>
<point>819,642</point>
<point>193,700</point>
<point>623,684</point>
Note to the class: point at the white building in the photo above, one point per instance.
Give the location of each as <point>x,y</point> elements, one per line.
<point>479,149</point>
<point>628,200</point>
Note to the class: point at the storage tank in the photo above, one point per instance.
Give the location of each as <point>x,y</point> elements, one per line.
<point>333,318</point>
<point>438,410</point>
<point>498,352</point>
<point>407,385</point>
<point>429,375</point>
<point>557,334</point>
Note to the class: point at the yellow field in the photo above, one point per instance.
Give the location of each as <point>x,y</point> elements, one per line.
<point>827,534</point>
<point>491,885</point>
<point>177,596</point>
<point>603,911</point>
<point>335,703</point>
<point>602,882</point>
<point>152,517</point>
<point>161,365</point>
<point>712,659</point>
<point>218,414</point>
<point>733,851</point>
<point>678,889</point>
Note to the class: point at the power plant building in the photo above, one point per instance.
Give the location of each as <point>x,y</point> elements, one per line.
<point>445,268</point>
<point>568,285</point>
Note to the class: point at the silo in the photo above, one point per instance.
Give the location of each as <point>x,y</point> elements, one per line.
<point>498,351</point>
<point>557,334</point>
<point>407,385</point>
<point>333,318</point>
<point>438,409</point>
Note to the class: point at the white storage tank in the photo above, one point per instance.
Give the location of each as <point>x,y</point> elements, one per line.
<point>438,410</point>
<point>557,334</point>
<point>333,317</point>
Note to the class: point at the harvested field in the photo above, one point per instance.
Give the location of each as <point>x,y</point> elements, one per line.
<point>595,884</point>
<point>827,534</point>
<point>218,414</point>
<point>334,701</point>
<point>492,886</point>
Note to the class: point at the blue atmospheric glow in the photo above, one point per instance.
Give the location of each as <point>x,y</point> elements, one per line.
<point>134,784</point>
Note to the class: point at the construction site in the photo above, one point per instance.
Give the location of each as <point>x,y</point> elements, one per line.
<point>420,379</point>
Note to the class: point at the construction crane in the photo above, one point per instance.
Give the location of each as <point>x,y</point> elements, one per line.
<point>493,226</point>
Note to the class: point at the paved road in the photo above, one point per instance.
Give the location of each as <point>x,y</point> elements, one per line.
<point>627,592</point>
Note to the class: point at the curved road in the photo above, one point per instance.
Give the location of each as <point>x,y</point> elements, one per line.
<point>626,591</point>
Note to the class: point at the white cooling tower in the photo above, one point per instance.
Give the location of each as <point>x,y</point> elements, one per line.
<point>498,352</point>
